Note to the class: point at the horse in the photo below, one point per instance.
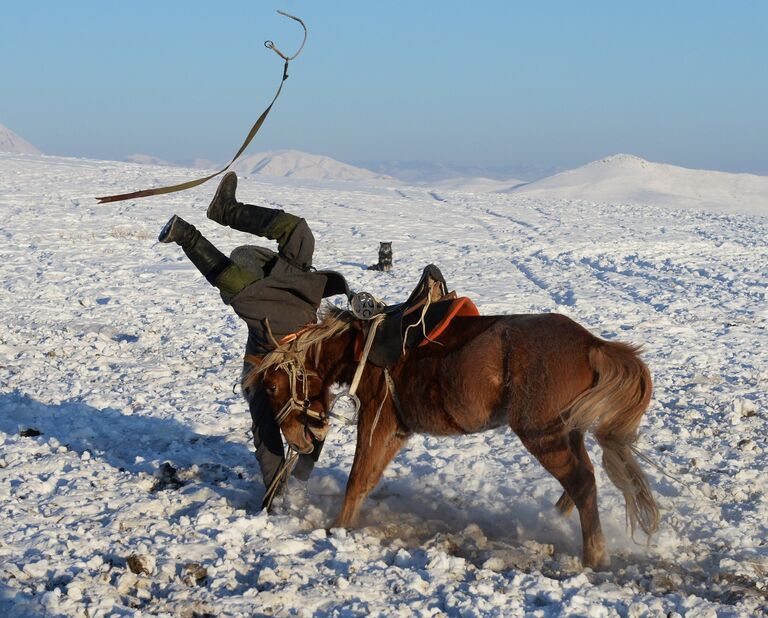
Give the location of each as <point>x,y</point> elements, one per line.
<point>544,375</point>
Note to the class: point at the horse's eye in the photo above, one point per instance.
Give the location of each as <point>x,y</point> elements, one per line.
<point>272,388</point>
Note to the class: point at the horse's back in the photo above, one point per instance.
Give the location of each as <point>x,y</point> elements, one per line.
<point>552,335</point>
<point>487,371</point>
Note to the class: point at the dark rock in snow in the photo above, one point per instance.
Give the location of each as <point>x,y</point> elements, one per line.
<point>166,477</point>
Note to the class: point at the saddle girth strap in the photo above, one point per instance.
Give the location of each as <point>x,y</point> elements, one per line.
<point>364,357</point>
<point>390,390</point>
<point>393,391</point>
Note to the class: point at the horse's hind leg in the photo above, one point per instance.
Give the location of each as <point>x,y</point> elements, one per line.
<point>566,459</point>
<point>565,504</point>
<point>372,455</point>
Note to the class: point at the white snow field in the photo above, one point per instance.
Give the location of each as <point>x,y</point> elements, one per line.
<point>122,357</point>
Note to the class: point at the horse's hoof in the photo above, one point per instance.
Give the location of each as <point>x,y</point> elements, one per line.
<point>597,563</point>
<point>340,523</point>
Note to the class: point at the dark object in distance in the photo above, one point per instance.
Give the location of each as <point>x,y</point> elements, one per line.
<point>385,258</point>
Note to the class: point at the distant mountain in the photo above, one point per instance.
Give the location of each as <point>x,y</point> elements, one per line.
<point>148,160</point>
<point>427,173</point>
<point>10,142</point>
<point>203,164</point>
<point>297,164</point>
<point>200,164</point>
<point>629,179</point>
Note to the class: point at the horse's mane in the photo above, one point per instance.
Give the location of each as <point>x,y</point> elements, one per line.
<point>291,356</point>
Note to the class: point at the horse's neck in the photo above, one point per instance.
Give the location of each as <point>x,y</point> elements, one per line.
<point>337,365</point>
<point>337,358</point>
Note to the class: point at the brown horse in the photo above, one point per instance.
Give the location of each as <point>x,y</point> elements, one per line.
<point>544,375</point>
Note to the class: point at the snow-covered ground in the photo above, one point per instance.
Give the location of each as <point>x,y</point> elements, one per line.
<point>123,358</point>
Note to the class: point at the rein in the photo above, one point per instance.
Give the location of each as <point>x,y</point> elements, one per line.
<point>280,476</point>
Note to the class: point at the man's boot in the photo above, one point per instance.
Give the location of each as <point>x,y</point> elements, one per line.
<point>271,223</point>
<point>224,200</point>
<point>207,259</point>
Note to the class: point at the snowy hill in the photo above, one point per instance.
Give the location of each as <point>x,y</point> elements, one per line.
<point>143,159</point>
<point>304,166</point>
<point>625,178</point>
<point>10,142</point>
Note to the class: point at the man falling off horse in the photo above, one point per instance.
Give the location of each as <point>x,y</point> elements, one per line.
<point>274,293</point>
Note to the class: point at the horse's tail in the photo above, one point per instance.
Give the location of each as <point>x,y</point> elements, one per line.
<point>613,408</point>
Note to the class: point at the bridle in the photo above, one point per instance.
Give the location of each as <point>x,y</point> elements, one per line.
<point>302,407</point>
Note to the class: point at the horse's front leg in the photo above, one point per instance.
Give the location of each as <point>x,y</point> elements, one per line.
<point>372,454</point>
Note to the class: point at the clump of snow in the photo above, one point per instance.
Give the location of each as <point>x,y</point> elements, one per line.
<point>123,359</point>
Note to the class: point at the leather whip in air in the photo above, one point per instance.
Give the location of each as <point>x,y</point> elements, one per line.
<point>254,129</point>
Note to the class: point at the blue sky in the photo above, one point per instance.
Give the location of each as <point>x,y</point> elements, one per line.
<point>493,83</point>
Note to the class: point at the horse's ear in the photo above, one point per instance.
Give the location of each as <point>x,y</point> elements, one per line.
<point>254,361</point>
<point>251,378</point>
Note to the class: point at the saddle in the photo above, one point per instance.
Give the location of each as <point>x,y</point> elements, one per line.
<point>418,320</point>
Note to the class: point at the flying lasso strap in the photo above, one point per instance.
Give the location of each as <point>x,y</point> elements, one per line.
<point>254,129</point>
